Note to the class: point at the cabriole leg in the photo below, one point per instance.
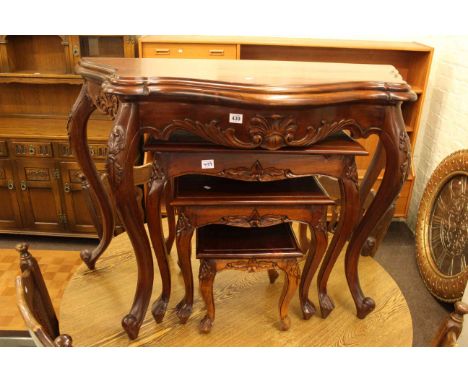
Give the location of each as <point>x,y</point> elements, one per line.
<point>77,132</point>
<point>123,146</point>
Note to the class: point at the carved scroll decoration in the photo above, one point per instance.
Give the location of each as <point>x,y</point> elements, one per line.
<point>206,270</point>
<point>291,267</point>
<point>254,220</point>
<point>183,224</point>
<point>252,265</point>
<point>350,169</point>
<point>269,132</point>
<point>107,103</point>
<point>156,173</point>
<point>257,173</point>
<point>404,147</point>
<point>116,145</point>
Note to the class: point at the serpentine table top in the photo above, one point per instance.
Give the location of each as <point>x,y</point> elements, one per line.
<point>266,82</point>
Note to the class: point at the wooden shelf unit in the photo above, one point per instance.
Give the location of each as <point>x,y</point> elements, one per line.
<point>40,191</point>
<point>412,60</point>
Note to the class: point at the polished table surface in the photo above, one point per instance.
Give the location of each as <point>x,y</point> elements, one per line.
<point>239,104</point>
<point>247,315</point>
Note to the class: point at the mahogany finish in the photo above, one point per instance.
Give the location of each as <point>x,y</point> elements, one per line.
<point>34,303</point>
<point>221,247</point>
<point>333,157</point>
<point>205,200</point>
<point>284,104</point>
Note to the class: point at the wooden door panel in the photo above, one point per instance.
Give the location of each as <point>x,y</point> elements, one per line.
<point>76,209</point>
<point>10,216</point>
<point>40,195</point>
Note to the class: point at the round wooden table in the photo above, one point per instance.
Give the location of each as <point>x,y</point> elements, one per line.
<point>246,308</point>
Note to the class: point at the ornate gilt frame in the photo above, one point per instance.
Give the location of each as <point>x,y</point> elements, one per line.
<point>443,287</point>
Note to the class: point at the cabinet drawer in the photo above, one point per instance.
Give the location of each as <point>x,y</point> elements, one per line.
<point>32,149</point>
<point>3,149</point>
<point>97,150</point>
<point>168,50</point>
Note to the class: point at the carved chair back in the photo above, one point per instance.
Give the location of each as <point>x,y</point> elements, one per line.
<point>34,303</point>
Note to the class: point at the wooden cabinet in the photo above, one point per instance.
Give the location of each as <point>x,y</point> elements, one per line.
<point>39,190</point>
<point>40,187</point>
<point>39,195</point>
<point>412,60</point>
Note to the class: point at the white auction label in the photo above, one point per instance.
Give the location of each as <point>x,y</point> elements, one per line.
<point>235,118</point>
<point>207,163</point>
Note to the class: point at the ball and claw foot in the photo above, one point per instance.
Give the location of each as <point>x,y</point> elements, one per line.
<point>367,305</point>
<point>308,309</point>
<point>184,310</point>
<point>285,323</point>
<point>86,256</point>
<point>326,305</point>
<point>205,325</point>
<point>131,326</point>
<point>159,309</point>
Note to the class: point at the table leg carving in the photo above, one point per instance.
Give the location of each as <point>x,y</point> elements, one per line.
<point>77,132</point>
<point>206,276</point>
<point>153,200</point>
<point>184,233</point>
<point>292,274</point>
<point>349,215</point>
<point>313,260</point>
<point>170,216</point>
<point>123,146</point>
<point>397,150</point>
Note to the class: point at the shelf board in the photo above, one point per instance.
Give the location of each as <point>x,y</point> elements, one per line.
<point>49,128</point>
<point>40,78</point>
<point>305,42</point>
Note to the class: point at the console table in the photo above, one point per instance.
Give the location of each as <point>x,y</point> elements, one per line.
<point>269,105</point>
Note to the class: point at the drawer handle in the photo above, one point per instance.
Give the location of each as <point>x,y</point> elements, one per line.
<point>163,51</point>
<point>11,185</point>
<point>216,52</point>
<point>32,150</point>
<point>66,187</point>
<point>24,185</point>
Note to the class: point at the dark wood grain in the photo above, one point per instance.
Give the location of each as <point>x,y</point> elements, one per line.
<point>77,131</point>
<point>222,247</point>
<point>286,106</point>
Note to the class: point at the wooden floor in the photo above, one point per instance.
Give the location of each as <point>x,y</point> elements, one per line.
<point>57,268</point>
<point>246,309</point>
